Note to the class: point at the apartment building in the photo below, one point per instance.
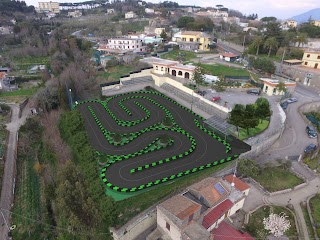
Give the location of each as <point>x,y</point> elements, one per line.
<point>311,59</point>
<point>127,44</point>
<point>193,40</point>
<point>49,7</point>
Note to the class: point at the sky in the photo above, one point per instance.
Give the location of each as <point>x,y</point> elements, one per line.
<point>282,9</point>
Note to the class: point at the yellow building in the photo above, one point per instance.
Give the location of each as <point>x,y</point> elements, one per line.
<point>200,39</point>
<point>311,59</point>
<point>316,23</point>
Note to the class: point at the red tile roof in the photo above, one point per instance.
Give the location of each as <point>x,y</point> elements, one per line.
<point>2,74</point>
<point>229,55</point>
<point>216,213</point>
<point>227,232</point>
<point>242,186</point>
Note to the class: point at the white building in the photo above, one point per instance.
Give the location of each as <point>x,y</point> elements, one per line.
<point>110,11</point>
<point>158,31</point>
<point>270,86</point>
<point>127,44</point>
<point>288,24</point>
<point>49,7</point>
<point>130,15</point>
<point>149,11</point>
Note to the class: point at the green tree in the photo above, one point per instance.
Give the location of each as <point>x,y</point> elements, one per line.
<point>163,35</point>
<point>262,110</point>
<point>257,42</point>
<point>271,43</point>
<point>198,75</point>
<point>251,120</point>
<point>117,137</point>
<point>219,85</point>
<point>236,116</point>
<point>281,87</point>
<point>184,21</point>
<point>164,139</point>
<point>301,38</point>
<point>167,122</point>
<point>248,168</point>
<point>268,19</point>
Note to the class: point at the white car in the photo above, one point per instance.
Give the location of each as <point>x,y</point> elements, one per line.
<point>292,100</point>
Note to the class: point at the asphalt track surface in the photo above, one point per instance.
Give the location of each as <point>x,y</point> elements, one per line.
<point>207,150</point>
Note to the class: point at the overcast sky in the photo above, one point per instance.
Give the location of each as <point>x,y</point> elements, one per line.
<point>281,9</point>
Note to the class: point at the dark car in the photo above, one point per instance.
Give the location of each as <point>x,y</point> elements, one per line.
<point>312,132</point>
<point>284,105</point>
<point>292,100</point>
<point>201,93</point>
<point>310,148</point>
<point>254,91</point>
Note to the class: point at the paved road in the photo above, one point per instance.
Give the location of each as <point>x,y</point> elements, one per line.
<point>7,193</point>
<point>294,138</point>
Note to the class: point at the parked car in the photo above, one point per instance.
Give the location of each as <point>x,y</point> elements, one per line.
<point>254,91</point>
<point>310,148</point>
<point>312,132</point>
<point>292,100</point>
<point>215,99</point>
<point>201,93</point>
<point>284,105</point>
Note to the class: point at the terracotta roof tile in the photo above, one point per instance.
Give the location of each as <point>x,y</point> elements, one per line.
<point>181,206</point>
<point>242,186</point>
<point>211,217</point>
<point>227,232</point>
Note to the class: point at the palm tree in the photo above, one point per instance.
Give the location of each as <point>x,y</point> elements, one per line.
<point>271,43</point>
<point>301,38</point>
<point>257,42</point>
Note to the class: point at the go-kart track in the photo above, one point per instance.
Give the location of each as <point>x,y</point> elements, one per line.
<point>139,159</point>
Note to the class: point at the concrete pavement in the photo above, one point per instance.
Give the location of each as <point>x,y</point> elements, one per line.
<point>7,192</point>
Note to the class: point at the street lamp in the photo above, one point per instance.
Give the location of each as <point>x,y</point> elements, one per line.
<point>191,100</point>
<point>70,92</point>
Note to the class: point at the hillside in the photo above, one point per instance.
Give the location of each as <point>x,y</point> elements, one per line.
<point>304,17</point>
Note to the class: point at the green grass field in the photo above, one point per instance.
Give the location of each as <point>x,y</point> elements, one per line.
<point>20,92</point>
<point>277,178</point>
<point>176,54</point>
<point>255,226</point>
<point>315,211</point>
<point>24,63</point>
<point>253,131</point>
<point>307,219</point>
<point>114,73</point>
<point>223,70</point>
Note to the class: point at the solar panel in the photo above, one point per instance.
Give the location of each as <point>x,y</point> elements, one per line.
<point>219,188</point>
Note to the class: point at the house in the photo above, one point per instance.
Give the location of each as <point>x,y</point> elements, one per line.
<point>288,24</point>
<point>6,30</point>
<point>110,11</point>
<point>130,15</point>
<point>193,40</point>
<point>229,57</point>
<point>158,31</point>
<point>311,59</point>
<point>126,44</point>
<point>251,29</point>
<point>149,10</point>
<point>75,14</point>
<point>173,68</point>
<point>49,7</point>
<point>200,212</point>
<point>152,39</point>
<point>316,23</point>
<point>4,69</point>
<point>215,13</point>
<point>238,184</point>
<point>270,86</point>
<point>36,68</point>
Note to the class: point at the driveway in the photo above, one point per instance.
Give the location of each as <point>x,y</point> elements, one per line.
<point>294,138</point>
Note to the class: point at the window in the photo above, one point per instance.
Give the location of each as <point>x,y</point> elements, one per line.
<point>168,226</point>
<point>161,69</point>
<point>156,67</point>
<point>198,39</point>
<point>266,89</point>
<point>308,55</point>
<point>318,57</point>
<point>305,63</point>
<point>191,39</point>
<point>183,39</point>
<point>180,73</point>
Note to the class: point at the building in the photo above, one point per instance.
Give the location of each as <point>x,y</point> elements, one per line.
<point>193,40</point>
<point>126,44</point>
<point>311,59</point>
<point>251,29</point>
<point>111,11</point>
<point>75,14</point>
<point>152,39</point>
<point>201,211</point>
<point>4,30</point>
<point>158,31</point>
<point>288,24</point>
<point>229,57</point>
<point>216,13</point>
<point>49,7</point>
<point>270,86</point>
<point>316,23</point>
<point>149,10</point>
<point>130,15</point>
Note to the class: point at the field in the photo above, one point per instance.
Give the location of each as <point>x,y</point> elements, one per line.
<point>114,73</point>
<point>144,139</point>
<point>179,55</point>
<point>277,178</point>
<point>315,211</point>
<point>263,125</point>
<point>255,226</point>
<point>223,70</point>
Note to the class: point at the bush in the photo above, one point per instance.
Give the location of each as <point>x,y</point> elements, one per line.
<point>117,138</point>
<point>167,122</point>
<point>165,139</point>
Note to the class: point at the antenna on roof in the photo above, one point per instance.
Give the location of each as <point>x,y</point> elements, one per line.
<point>234,174</point>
